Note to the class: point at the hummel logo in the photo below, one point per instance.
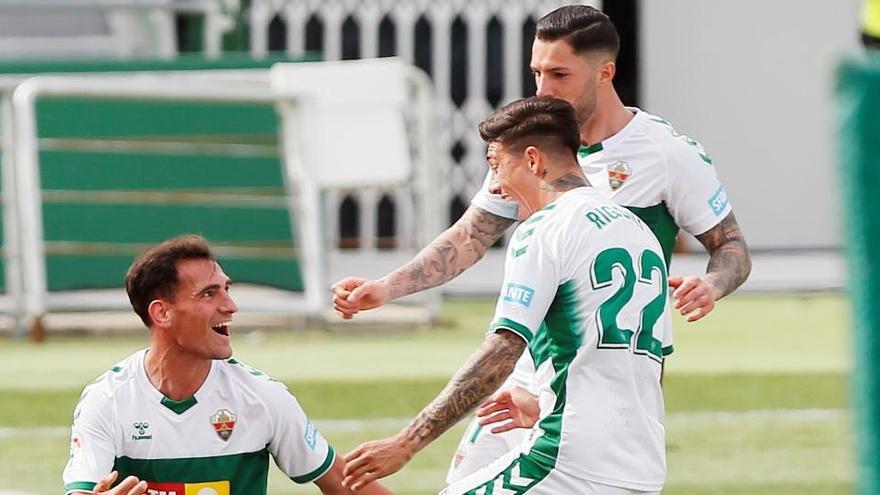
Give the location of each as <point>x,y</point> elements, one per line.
<point>141,427</point>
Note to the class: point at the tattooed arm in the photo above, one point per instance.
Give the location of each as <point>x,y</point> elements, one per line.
<point>483,373</point>
<point>451,253</point>
<point>729,266</point>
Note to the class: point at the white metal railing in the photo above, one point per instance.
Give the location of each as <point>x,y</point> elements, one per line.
<point>455,124</point>
<point>24,246</point>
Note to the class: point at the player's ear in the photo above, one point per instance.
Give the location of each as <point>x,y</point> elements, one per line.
<point>536,161</point>
<point>607,70</point>
<point>160,313</point>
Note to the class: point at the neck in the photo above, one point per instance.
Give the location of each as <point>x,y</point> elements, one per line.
<point>177,376</point>
<point>552,187</point>
<point>608,119</point>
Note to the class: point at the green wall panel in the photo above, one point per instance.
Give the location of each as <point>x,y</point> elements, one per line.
<point>119,225</point>
<point>84,171</point>
<point>107,271</point>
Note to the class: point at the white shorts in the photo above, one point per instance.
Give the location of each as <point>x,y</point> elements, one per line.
<point>517,473</point>
<point>479,447</point>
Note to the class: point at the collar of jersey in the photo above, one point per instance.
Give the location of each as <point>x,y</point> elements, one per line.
<point>174,406</point>
<point>627,130</point>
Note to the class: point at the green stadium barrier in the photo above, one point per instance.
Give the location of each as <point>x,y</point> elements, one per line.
<point>102,205</point>
<point>859,106</point>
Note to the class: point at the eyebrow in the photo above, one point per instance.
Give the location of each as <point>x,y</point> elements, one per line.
<point>555,68</point>
<point>212,287</point>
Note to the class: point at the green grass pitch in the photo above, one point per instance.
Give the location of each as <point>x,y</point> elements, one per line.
<point>757,395</point>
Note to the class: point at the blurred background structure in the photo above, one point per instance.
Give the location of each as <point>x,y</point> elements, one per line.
<point>754,90</point>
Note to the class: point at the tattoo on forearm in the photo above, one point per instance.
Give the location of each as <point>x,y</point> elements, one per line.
<point>481,375</point>
<point>451,253</point>
<point>567,182</point>
<point>729,260</point>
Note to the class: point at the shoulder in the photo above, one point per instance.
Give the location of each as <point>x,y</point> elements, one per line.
<point>677,147</point>
<point>249,379</point>
<point>98,396</point>
<point>109,383</point>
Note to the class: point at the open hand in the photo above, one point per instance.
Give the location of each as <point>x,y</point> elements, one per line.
<point>374,460</point>
<point>694,296</point>
<point>129,486</point>
<point>514,407</point>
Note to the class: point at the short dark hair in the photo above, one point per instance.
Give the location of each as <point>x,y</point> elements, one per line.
<point>585,28</point>
<point>522,122</point>
<point>154,273</point>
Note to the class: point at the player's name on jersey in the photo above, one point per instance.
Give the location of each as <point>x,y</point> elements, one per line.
<point>605,215</point>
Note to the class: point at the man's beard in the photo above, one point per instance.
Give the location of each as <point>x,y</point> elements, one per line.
<point>584,110</point>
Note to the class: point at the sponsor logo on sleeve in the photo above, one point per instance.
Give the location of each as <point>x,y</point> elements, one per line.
<point>519,294</point>
<point>311,435</point>
<point>76,446</point>
<point>718,201</point>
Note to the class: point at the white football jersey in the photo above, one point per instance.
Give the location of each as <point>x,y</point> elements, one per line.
<point>585,284</point>
<point>215,443</point>
<point>664,177</point>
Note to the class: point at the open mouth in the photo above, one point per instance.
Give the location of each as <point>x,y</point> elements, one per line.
<point>222,328</point>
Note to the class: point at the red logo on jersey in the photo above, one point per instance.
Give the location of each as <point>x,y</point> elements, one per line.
<point>223,421</point>
<point>618,172</point>
<point>165,489</point>
<point>208,488</point>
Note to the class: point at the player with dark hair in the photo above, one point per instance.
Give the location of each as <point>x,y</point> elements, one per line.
<point>585,294</point>
<point>182,416</point>
<point>667,179</point>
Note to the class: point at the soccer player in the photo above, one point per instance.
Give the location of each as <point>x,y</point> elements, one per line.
<point>183,417</point>
<point>585,291</point>
<point>638,159</point>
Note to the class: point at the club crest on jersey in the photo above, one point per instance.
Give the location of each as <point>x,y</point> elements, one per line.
<point>223,421</point>
<point>618,172</point>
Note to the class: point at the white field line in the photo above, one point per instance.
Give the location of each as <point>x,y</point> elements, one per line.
<point>355,425</point>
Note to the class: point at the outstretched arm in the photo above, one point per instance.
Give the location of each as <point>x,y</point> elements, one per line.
<point>452,252</point>
<point>729,266</point>
<point>331,483</point>
<point>483,373</point>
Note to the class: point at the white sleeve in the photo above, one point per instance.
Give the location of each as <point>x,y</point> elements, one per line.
<point>296,445</point>
<point>695,196</point>
<point>493,203</point>
<point>92,448</point>
<point>531,277</point>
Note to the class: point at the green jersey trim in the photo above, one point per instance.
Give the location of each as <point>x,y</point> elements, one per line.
<point>661,223</point>
<point>517,328</point>
<point>589,150</point>
<point>559,339</point>
<point>247,472</point>
<point>85,486</point>
<point>476,433</point>
<point>317,473</point>
<point>179,406</point>
<point>668,350</point>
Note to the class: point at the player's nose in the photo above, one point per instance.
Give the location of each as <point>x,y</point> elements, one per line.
<point>228,305</point>
<point>494,187</point>
<point>542,88</point>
